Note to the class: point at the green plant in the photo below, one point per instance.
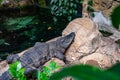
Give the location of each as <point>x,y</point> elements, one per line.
<point>2,41</point>
<point>47,71</point>
<point>90,8</point>
<point>31,33</point>
<point>115,17</point>
<point>86,72</point>
<point>64,8</point>
<point>1,1</point>
<point>17,71</point>
<point>81,1</point>
<point>18,23</point>
<point>90,2</point>
<point>89,5</point>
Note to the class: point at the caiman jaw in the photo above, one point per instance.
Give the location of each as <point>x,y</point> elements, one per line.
<point>64,42</point>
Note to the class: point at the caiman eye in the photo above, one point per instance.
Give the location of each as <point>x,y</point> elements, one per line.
<point>62,40</point>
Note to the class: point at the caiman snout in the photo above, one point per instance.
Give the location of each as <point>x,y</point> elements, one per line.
<point>71,35</point>
<point>64,42</point>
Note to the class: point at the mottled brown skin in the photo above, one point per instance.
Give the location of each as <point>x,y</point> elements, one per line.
<point>34,58</point>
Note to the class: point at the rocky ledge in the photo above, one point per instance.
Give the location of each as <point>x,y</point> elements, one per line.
<point>88,47</point>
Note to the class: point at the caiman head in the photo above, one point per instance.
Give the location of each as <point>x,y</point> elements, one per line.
<point>64,42</point>
<point>12,58</point>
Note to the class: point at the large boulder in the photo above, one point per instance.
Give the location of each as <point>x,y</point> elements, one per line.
<point>86,40</point>
<point>105,56</point>
<point>89,46</point>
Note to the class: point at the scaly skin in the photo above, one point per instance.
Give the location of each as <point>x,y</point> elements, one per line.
<point>34,58</point>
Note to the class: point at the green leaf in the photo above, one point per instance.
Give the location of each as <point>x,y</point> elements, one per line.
<point>38,75</point>
<point>22,71</point>
<point>53,1</point>
<point>60,2</point>
<point>13,69</point>
<point>18,23</point>
<point>64,8</point>
<point>115,69</point>
<point>13,72</point>
<point>81,1</point>
<point>2,41</point>
<point>90,9</point>
<point>26,20</point>
<point>75,6</point>
<point>84,72</point>
<point>17,71</point>
<point>52,65</point>
<point>55,19</point>
<point>69,18</point>
<point>1,1</point>
<point>115,17</point>
<point>47,71</point>
<point>21,74</point>
<point>44,76</point>
<point>14,65</point>
<point>41,76</point>
<point>65,1</point>
<point>90,2</point>
<point>71,11</point>
<point>71,5</point>
<point>19,66</point>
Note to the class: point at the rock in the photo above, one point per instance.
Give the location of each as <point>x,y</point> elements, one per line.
<point>97,59</point>
<point>8,3</point>
<point>105,56</point>
<point>3,67</point>
<point>87,38</point>
<point>89,46</point>
<point>106,6</point>
<point>25,2</point>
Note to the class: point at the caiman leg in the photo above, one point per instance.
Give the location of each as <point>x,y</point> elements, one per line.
<point>60,56</point>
